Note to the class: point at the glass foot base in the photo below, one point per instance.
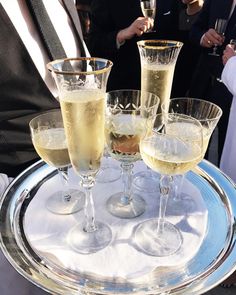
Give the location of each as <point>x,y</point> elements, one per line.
<point>89,242</point>
<point>146,181</point>
<point>72,202</point>
<point>130,210</point>
<point>108,174</point>
<point>151,242</point>
<point>213,54</point>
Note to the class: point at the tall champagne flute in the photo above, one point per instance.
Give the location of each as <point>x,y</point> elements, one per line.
<point>158,59</point>
<point>169,155</point>
<point>127,113</point>
<point>208,114</point>
<point>48,137</point>
<point>220,27</point>
<point>82,86</point>
<point>148,8</point>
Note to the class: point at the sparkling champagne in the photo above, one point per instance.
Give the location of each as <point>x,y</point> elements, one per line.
<point>168,155</point>
<point>158,80</point>
<point>123,134</point>
<point>51,146</point>
<point>83,114</point>
<point>148,12</point>
<point>148,9</point>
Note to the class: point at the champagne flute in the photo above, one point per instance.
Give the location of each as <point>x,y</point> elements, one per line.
<point>158,59</point>
<point>208,114</point>
<point>82,87</point>
<point>220,27</point>
<point>148,8</point>
<point>48,137</point>
<point>169,155</point>
<point>127,113</point>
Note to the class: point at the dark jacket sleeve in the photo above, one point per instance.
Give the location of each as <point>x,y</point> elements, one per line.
<point>202,23</point>
<point>102,36</point>
<point>23,95</point>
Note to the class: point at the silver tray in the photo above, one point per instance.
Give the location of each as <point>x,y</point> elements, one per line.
<point>213,260</point>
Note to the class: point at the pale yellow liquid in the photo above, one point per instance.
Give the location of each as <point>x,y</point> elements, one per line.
<point>51,146</point>
<point>123,134</point>
<point>158,80</point>
<point>83,114</point>
<point>148,12</point>
<point>164,157</point>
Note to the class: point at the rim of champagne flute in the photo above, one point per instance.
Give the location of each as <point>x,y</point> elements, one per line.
<point>51,68</point>
<point>199,100</point>
<point>160,44</point>
<point>137,91</point>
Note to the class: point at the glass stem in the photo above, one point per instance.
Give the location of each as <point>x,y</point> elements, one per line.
<point>165,182</point>
<point>89,213</point>
<point>177,186</point>
<point>127,180</point>
<point>63,173</point>
<point>214,49</point>
<point>106,158</point>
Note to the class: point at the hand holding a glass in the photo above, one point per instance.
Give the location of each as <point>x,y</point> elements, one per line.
<point>136,28</point>
<point>215,37</point>
<point>230,50</point>
<point>148,8</point>
<point>210,38</point>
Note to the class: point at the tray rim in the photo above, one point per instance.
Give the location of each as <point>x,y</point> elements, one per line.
<point>206,168</point>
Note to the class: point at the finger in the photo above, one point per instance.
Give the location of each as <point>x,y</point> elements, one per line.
<point>214,37</point>
<point>142,27</point>
<point>150,23</point>
<point>139,31</point>
<point>145,27</point>
<point>215,41</point>
<point>207,41</point>
<point>225,59</point>
<point>230,49</point>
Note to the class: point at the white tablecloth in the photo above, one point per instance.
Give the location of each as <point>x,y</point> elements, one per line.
<point>120,258</point>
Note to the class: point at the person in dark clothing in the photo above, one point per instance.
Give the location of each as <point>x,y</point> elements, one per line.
<point>115,29</point>
<point>206,82</point>
<point>189,54</point>
<point>116,26</point>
